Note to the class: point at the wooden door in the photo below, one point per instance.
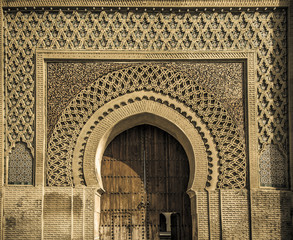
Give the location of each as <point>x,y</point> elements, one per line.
<point>145,173</point>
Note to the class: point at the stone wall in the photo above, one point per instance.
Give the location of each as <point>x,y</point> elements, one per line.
<point>235,214</point>
<point>67,213</point>
<point>256,214</point>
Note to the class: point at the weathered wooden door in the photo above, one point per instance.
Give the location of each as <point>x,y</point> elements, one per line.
<point>145,173</point>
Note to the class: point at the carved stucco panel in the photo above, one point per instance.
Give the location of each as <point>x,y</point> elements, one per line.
<point>60,145</point>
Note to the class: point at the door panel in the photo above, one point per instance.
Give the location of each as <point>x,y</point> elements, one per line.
<point>145,172</point>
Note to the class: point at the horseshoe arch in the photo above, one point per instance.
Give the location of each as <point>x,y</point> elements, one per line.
<point>145,107</point>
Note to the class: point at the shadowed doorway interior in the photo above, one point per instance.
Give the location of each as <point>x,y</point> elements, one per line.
<point>145,173</point>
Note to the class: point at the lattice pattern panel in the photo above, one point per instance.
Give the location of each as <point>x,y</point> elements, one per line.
<point>176,84</point>
<point>193,30</point>
<point>66,79</point>
<point>20,169</point>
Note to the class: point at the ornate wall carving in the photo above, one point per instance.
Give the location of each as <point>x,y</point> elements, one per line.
<point>156,78</point>
<point>66,80</point>
<point>146,107</point>
<point>259,26</point>
<point>148,3</point>
<point>20,169</point>
<point>225,80</point>
<point>262,31</point>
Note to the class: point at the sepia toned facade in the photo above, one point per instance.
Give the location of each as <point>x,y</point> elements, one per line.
<point>152,119</point>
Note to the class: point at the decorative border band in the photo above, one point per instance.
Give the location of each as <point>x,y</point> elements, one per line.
<point>140,55</point>
<point>2,120</point>
<point>146,3</point>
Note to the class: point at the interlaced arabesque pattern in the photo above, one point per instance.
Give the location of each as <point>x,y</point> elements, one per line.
<point>66,79</point>
<point>152,78</point>
<point>264,32</point>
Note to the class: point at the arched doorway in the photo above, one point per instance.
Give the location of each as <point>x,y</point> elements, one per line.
<point>145,174</point>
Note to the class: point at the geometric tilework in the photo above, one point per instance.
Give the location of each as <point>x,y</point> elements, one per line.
<point>20,169</point>
<point>273,167</point>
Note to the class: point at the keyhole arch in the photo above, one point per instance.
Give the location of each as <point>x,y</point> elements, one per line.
<point>145,107</point>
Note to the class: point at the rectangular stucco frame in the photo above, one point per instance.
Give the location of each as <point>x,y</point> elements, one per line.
<point>42,56</point>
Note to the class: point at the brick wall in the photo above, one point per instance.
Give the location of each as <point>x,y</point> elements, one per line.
<point>235,214</point>
<point>202,215</point>
<point>68,213</point>
<point>23,213</point>
<point>271,214</point>
<point>78,217</point>
<point>89,213</point>
<point>223,214</point>
<point>49,213</point>
<point>226,214</point>
<point>57,213</point>
<point>214,212</point>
